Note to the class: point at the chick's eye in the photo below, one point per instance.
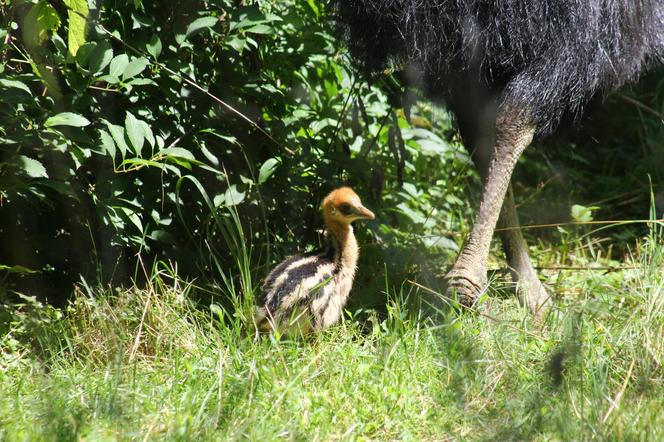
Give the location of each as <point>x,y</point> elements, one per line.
<point>345,208</point>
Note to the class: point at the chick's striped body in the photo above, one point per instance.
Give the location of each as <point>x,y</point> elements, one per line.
<point>308,292</point>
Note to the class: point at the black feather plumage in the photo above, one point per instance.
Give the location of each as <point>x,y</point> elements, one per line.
<point>539,58</point>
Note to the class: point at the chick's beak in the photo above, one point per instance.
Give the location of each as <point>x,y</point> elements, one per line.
<point>364,213</point>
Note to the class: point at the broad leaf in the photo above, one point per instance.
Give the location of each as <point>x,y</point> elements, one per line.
<point>16,269</point>
<point>118,65</point>
<point>77,16</point>
<point>267,169</point>
<point>178,152</point>
<point>147,131</point>
<point>200,24</point>
<point>38,22</point>
<point>232,196</point>
<point>154,46</point>
<point>433,148</point>
<point>32,167</point>
<point>135,132</point>
<point>118,134</point>
<point>14,84</point>
<point>67,119</point>
<point>260,29</point>
<point>107,143</point>
<point>84,52</point>
<point>582,214</point>
<point>134,68</point>
<point>414,216</point>
<point>100,58</point>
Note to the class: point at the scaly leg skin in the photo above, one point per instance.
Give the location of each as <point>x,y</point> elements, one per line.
<point>530,291</point>
<point>467,279</point>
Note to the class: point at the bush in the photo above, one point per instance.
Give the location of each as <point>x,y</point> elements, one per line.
<point>143,128</point>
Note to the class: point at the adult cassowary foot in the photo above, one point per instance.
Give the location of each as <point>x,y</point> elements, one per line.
<point>531,292</point>
<point>467,279</point>
<point>465,284</point>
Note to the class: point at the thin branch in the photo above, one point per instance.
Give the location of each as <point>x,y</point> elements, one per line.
<point>641,106</point>
<point>582,223</point>
<point>615,403</point>
<point>342,115</point>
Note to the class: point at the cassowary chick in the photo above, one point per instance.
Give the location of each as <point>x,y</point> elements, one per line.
<point>307,292</point>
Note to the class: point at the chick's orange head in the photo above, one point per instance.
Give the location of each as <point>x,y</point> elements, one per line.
<point>343,205</point>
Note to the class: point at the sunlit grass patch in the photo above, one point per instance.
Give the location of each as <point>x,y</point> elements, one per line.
<point>152,363</point>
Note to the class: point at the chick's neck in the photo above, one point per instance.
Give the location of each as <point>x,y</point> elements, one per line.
<point>343,241</point>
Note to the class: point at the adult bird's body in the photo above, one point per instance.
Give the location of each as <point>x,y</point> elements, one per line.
<point>307,292</point>
<point>509,70</point>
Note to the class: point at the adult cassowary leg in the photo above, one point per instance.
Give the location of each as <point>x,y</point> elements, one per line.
<point>467,279</point>
<point>530,290</point>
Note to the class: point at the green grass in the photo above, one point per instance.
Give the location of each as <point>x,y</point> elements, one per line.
<point>150,364</point>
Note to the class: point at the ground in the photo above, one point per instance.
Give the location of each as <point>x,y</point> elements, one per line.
<point>152,364</point>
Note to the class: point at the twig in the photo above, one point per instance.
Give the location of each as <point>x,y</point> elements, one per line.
<point>105,89</point>
<point>342,115</point>
<point>641,106</point>
<point>137,341</point>
<point>365,152</point>
<point>610,268</point>
<point>582,223</point>
<point>616,400</point>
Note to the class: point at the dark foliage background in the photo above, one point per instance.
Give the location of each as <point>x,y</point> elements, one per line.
<point>201,136</point>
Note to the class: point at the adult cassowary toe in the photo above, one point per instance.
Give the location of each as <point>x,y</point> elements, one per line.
<point>308,292</point>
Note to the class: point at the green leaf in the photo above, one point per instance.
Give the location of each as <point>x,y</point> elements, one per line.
<point>16,269</point>
<point>109,79</point>
<point>162,236</point>
<point>140,82</point>
<point>440,242</point>
<point>133,162</point>
<point>14,84</point>
<point>238,43</point>
<point>217,311</point>
<point>38,22</point>
<point>77,16</point>
<point>411,190</point>
<point>118,65</point>
<point>67,119</point>
<point>133,217</point>
<point>100,58</point>
<point>147,131</point>
<point>178,152</point>
<point>199,25</point>
<point>261,29</point>
<point>154,46</point>
<point>84,52</point>
<point>433,148</point>
<point>32,167</point>
<point>107,143</point>
<point>582,214</point>
<point>118,134</point>
<point>267,169</point>
<point>314,7</point>
<point>135,132</point>
<point>134,68</point>
<point>233,197</point>
<point>414,216</point>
